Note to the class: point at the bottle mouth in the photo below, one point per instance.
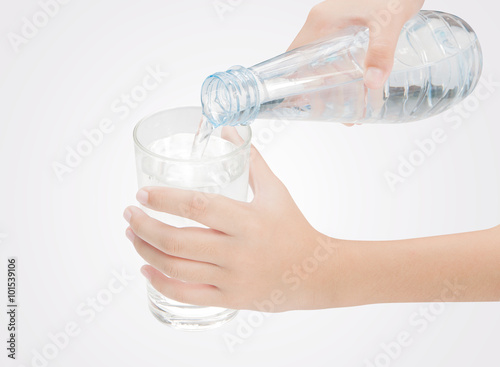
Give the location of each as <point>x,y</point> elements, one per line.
<point>216,100</point>
<point>231,98</point>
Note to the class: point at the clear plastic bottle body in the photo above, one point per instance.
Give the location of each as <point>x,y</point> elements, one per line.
<point>437,64</point>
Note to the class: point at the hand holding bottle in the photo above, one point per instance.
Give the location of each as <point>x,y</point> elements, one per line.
<point>384,18</point>
<point>436,62</point>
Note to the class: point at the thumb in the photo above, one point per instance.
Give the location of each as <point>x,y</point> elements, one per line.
<point>380,55</point>
<point>261,175</point>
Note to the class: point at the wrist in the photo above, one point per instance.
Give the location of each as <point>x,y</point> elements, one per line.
<point>361,273</point>
<point>326,266</point>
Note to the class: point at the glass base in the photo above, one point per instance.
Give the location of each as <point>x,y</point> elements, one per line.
<point>182,316</point>
<point>191,324</point>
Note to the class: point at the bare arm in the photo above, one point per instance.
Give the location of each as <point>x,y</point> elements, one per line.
<point>456,267</point>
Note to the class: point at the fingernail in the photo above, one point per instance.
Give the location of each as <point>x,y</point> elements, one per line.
<point>130,234</point>
<point>127,214</point>
<point>146,274</point>
<point>142,196</point>
<point>374,78</point>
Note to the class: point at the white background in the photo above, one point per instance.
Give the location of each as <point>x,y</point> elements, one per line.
<point>68,234</point>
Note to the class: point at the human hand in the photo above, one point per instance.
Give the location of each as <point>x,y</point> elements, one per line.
<point>384,18</point>
<point>265,256</point>
<point>262,255</point>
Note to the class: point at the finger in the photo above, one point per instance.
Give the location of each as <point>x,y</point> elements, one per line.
<point>194,294</point>
<point>261,175</point>
<point>214,211</point>
<point>323,19</point>
<point>200,244</point>
<point>380,55</point>
<point>304,37</point>
<point>176,267</point>
<point>230,133</point>
<point>309,33</point>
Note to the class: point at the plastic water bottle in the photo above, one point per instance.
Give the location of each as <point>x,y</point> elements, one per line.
<point>437,64</point>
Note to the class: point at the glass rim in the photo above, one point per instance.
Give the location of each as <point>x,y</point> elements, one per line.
<point>141,146</point>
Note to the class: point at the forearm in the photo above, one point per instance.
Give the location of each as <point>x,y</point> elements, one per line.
<point>458,267</point>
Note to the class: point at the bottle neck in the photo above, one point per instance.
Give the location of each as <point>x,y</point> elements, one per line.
<point>231,98</point>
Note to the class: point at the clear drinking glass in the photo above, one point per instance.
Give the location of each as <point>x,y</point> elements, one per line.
<point>163,144</point>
